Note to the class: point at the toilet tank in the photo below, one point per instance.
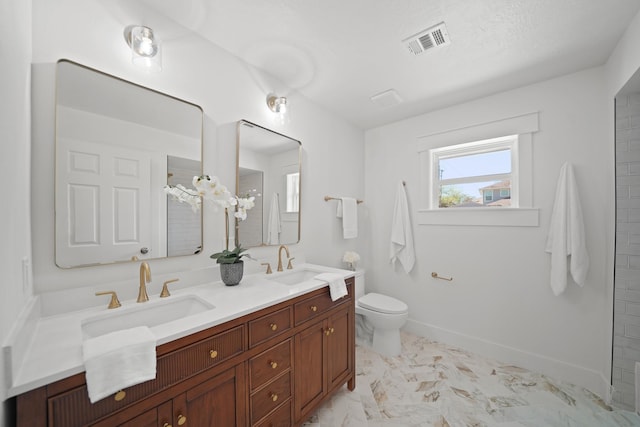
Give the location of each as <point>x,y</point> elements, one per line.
<point>359,283</point>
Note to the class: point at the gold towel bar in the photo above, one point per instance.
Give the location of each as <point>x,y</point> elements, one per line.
<point>327,198</point>
<point>435,276</point>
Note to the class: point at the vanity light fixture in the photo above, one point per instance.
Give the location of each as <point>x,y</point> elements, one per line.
<point>277,104</point>
<point>145,47</point>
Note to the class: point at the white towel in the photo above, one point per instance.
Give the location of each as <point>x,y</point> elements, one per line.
<point>117,360</point>
<point>337,285</point>
<point>566,234</point>
<point>401,247</point>
<point>274,226</point>
<point>348,211</point>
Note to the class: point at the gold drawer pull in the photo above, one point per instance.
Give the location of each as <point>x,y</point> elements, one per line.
<point>274,397</point>
<point>120,395</point>
<point>313,308</point>
<point>273,364</point>
<point>181,419</point>
<point>213,354</point>
<point>273,326</point>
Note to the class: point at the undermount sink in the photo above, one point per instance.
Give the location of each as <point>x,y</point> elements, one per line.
<point>146,314</point>
<point>294,277</point>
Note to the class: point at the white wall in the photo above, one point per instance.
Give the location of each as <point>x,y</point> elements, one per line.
<point>15,45</point>
<point>499,302</point>
<point>227,90</point>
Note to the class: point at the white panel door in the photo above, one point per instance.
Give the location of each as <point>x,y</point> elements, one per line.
<point>102,204</point>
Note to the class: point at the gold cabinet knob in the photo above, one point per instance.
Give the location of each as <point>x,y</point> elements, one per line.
<point>331,330</point>
<point>313,308</point>
<point>120,395</point>
<point>181,419</point>
<point>274,397</point>
<point>273,364</point>
<point>273,326</point>
<point>327,332</point>
<point>213,354</point>
<point>166,425</point>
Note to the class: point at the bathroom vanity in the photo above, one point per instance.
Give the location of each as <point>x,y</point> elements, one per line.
<point>269,367</point>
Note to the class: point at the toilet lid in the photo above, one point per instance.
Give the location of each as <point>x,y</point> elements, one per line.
<point>382,303</point>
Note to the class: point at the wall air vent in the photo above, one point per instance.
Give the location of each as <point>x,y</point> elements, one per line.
<point>430,38</point>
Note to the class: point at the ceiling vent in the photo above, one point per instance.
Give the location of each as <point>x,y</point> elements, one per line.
<point>428,39</point>
<point>386,99</point>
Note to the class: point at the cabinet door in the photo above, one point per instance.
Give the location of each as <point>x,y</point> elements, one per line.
<point>338,348</point>
<point>310,375</point>
<point>215,402</point>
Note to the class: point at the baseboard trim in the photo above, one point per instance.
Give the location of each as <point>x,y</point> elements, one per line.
<point>592,380</point>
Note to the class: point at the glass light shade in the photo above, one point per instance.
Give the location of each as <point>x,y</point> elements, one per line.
<point>145,48</point>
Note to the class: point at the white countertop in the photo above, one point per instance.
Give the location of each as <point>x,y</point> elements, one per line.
<point>54,351</point>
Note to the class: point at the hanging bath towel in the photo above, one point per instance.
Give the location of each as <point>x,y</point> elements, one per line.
<point>566,234</point>
<point>274,226</point>
<point>401,234</point>
<point>348,211</point>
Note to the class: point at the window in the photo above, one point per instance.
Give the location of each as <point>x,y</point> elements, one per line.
<point>488,195</point>
<point>293,192</point>
<point>487,170</point>
<point>474,175</point>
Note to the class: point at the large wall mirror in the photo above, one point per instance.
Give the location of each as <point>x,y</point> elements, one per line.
<point>269,169</point>
<point>117,145</point>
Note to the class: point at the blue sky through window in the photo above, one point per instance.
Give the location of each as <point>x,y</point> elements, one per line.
<point>490,163</point>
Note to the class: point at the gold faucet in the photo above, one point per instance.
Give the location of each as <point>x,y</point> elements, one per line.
<point>145,277</point>
<point>280,255</point>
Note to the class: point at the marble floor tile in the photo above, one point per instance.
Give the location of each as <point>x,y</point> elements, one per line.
<point>432,384</point>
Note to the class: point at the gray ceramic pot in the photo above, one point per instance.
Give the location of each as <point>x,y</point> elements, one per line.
<point>231,274</point>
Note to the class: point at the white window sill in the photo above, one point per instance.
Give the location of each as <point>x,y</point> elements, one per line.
<point>500,217</point>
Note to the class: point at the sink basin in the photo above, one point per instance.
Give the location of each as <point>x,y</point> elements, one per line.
<point>146,314</point>
<point>294,277</point>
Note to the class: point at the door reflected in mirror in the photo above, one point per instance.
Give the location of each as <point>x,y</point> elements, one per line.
<point>268,169</point>
<point>117,145</point>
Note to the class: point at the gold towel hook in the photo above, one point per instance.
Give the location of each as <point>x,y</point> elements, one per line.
<point>435,276</point>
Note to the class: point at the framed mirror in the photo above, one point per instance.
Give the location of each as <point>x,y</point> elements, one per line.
<point>269,169</point>
<point>117,145</point>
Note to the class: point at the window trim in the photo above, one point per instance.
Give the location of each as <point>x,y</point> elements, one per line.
<point>524,215</point>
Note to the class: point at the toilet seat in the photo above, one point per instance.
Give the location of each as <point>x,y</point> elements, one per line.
<point>382,304</point>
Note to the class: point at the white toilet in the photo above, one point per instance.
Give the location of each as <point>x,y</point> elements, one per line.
<point>378,319</point>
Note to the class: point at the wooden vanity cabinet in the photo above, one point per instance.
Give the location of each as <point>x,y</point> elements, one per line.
<point>268,368</point>
<point>324,360</point>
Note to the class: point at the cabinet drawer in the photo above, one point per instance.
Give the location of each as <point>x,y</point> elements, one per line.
<point>268,326</point>
<point>73,408</point>
<point>269,364</point>
<point>280,418</point>
<point>270,396</point>
<point>316,306</point>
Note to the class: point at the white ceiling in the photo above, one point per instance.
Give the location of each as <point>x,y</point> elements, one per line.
<point>339,53</point>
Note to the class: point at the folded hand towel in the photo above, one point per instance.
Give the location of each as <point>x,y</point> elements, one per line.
<point>401,247</point>
<point>337,285</point>
<point>117,360</point>
<point>348,211</point>
<point>274,226</point>
<point>566,234</point>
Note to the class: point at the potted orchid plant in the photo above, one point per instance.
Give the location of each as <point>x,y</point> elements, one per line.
<point>209,188</point>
